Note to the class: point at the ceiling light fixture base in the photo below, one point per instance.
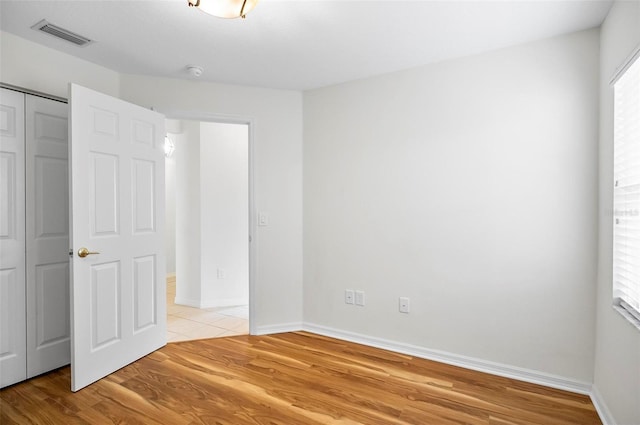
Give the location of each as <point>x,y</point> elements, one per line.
<point>228,9</point>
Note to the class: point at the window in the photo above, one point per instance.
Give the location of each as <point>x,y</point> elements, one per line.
<point>626,191</point>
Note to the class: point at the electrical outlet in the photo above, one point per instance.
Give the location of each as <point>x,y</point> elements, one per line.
<point>348,296</point>
<point>404,305</point>
<point>359,298</point>
<point>222,274</point>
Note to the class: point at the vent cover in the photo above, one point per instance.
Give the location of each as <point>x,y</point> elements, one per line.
<point>61,33</point>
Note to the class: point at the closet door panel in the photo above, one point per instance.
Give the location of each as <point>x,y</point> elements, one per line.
<point>52,298</point>
<point>48,327</point>
<point>12,239</point>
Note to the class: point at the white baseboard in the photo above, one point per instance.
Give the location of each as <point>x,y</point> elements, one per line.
<point>187,302</point>
<point>229,302</point>
<point>480,365</point>
<point>601,407</point>
<point>277,329</point>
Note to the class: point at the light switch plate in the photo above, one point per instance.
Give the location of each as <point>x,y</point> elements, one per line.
<point>263,219</point>
<point>404,305</point>
<point>222,274</point>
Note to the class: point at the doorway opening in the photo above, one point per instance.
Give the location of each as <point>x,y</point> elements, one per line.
<point>208,229</point>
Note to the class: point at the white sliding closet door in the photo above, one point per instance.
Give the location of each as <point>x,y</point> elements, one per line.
<point>12,239</point>
<point>47,229</point>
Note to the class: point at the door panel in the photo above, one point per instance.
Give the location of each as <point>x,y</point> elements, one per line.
<point>8,225</point>
<point>104,209</point>
<point>51,197</point>
<point>52,305</point>
<point>143,211</point>
<point>12,239</point>
<point>144,292</point>
<point>105,304</point>
<point>118,293</point>
<point>47,227</point>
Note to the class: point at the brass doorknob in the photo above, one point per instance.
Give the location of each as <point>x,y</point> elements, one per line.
<point>83,252</point>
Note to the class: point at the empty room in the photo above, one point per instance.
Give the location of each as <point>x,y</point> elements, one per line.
<point>435,216</point>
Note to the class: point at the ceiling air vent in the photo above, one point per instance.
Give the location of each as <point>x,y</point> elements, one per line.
<point>62,33</point>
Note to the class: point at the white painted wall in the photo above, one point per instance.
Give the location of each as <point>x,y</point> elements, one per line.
<point>224,194</point>
<point>174,129</point>
<point>276,118</point>
<point>617,359</point>
<point>469,186</point>
<point>277,135</point>
<point>170,213</point>
<point>212,186</point>
<point>30,65</point>
<point>188,215</point>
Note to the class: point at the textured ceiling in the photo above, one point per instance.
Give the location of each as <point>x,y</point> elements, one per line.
<point>300,44</point>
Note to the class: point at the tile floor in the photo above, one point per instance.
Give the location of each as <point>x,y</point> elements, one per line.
<point>187,323</point>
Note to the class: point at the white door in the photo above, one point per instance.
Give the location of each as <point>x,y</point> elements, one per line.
<point>118,310</point>
<point>12,239</point>
<point>47,228</point>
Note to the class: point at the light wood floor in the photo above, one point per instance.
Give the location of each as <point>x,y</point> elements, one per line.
<point>291,379</point>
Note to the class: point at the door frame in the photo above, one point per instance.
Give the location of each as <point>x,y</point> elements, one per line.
<point>253,216</point>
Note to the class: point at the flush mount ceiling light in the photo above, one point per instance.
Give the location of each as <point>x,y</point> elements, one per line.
<point>225,8</point>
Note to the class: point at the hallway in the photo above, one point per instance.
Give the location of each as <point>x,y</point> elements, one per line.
<point>188,323</point>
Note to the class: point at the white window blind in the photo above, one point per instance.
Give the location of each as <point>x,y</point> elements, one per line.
<point>626,192</point>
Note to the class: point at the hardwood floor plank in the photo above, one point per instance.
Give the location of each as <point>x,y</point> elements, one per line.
<point>55,386</point>
<point>434,414</point>
<point>26,404</point>
<point>290,379</point>
<point>208,388</point>
<point>326,399</point>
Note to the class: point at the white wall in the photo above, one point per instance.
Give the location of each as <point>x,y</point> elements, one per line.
<point>29,65</point>
<point>276,129</point>
<point>188,215</point>
<point>276,117</point>
<point>224,194</point>
<point>170,212</point>
<point>174,130</point>
<point>212,187</point>
<point>617,360</point>
<point>212,214</point>
<point>469,186</point>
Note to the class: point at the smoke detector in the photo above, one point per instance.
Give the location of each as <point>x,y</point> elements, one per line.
<point>195,71</point>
